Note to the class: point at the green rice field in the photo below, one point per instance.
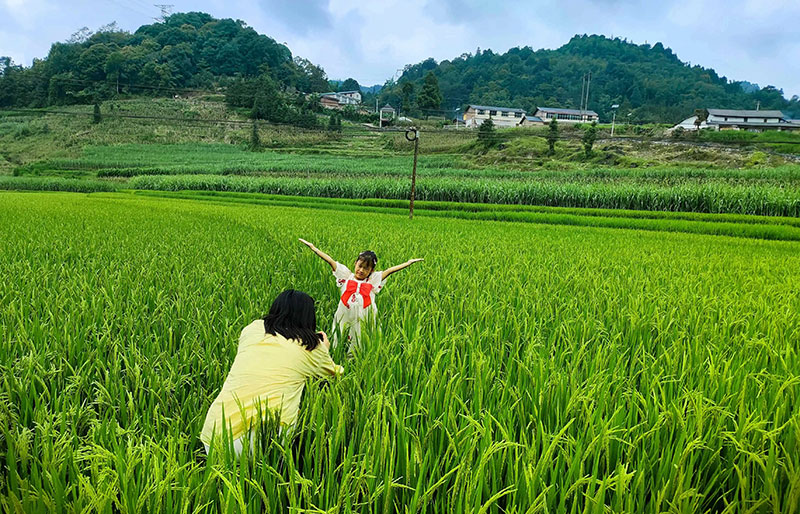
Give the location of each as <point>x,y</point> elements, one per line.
<point>529,365</point>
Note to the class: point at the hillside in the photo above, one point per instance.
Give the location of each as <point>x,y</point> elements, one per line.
<point>650,82</point>
<point>187,52</point>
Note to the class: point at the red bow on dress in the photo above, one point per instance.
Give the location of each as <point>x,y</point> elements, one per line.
<point>354,287</point>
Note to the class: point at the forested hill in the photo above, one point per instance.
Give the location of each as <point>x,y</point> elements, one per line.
<point>188,50</point>
<point>648,81</point>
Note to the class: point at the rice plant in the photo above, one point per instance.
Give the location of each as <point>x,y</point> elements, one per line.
<point>709,198</point>
<point>523,368</point>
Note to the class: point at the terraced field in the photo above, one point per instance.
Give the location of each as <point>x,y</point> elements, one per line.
<point>525,366</point>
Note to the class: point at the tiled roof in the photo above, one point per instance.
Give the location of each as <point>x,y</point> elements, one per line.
<point>558,110</point>
<point>493,108</point>
<point>743,114</point>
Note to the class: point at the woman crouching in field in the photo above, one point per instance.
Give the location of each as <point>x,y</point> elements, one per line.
<point>275,357</point>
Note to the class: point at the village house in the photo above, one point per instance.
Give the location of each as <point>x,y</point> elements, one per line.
<point>339,99</point>
<point>475,115</point>
<point>733,119</point>
<point>565,115</point>
<point>529,120</point>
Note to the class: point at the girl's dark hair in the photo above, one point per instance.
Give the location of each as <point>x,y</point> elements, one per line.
<point>292,315</point>
<point>369,257</point>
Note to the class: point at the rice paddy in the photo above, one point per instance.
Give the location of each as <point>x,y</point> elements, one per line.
<point>523,367</point>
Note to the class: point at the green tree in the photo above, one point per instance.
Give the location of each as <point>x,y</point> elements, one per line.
<point>255,140</point>
<point>92,61</point>
<point>430,97</point>
<point>487,134</point>
<point>335,122</point>
<point>701,115</point>
<point>552,136</point>
<point>407,90</point>
<point>350,84</point>
<point>589,137</point>
<point>115,63</point>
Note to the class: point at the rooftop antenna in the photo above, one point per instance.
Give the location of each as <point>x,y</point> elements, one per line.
<point>166,10</point>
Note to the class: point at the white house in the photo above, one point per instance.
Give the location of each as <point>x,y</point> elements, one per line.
<point>566,115</point>
<point>475,115</point>
<point>339,99</point>
<point>734,119</point>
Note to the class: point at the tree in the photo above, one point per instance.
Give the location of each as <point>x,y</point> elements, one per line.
<point>430,97</point>
<point>487,135</point>
<point>335,123</point>
<point>701,115</point>
<point>255,140</point>
<point>589,137</point>
<point>552,136</point>
<point>261,107</point>
<point>115,62</point>
<point>407,90</point>
<point>350,85</point>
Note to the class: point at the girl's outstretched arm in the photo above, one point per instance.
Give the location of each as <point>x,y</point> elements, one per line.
<point>325,257</point>
<point>391,270</point>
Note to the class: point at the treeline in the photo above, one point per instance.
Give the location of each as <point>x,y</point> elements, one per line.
<point>649,82</point>
<point>186,51</point>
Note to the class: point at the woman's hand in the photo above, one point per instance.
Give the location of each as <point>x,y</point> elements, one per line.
<point>412,261</point>
<point>308,244</point>
<point>325,343</point>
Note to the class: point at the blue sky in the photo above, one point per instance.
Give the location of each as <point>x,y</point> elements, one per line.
<point>754,40</point>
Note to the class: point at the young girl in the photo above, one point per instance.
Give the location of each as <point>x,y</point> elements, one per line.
<point>358,289</point>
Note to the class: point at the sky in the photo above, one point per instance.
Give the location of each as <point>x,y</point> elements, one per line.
<point>371,40</point>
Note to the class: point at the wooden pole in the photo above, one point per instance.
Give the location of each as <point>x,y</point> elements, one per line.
<point>414,175</point>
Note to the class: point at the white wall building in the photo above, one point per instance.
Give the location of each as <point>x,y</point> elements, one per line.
<point>566,115</point>
<point>475,115</point>
<point>734,119</point>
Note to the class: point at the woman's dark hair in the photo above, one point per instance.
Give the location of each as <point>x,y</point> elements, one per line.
<point>369,257</point>
<point>292,315</point>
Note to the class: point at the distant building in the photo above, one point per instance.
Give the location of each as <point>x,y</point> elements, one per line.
<point>386,115</point>
<point>528,120</point>
<point>339,99</point>
<point>475,115</point>
<point>329,102</point>
<point>566,115</point>
<point>733,119</point>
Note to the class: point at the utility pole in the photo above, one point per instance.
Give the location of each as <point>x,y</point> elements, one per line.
<point>583,90</point>
<point>614,118</point>
<point>588,83</point>
<point>412,134</point>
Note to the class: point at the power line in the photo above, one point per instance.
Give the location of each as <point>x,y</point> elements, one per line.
<point>121,3</point>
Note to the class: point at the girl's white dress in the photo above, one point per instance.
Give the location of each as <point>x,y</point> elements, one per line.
<point>356,302</point>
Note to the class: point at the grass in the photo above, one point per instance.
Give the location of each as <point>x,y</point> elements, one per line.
<point>521,367</point>
<point>714,198</point>
<point>55,184</point>
<point>760,227</point>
